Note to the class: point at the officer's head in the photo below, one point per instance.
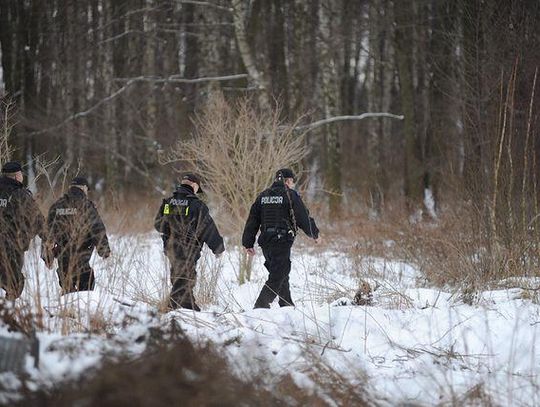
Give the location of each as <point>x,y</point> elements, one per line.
<point>286,175</point>
<point>13,169</point>
<point>193,180</point>
<point>81,183</point>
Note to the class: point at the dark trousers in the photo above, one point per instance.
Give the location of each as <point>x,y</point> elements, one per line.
<point>11,276</point>
<point>74,271</point>
<point>278,262</point>
<point>183,279</point>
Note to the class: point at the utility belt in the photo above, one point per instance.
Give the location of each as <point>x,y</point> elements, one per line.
<point>278,230</point>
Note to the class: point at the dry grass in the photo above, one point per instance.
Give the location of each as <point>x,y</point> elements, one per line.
<point>173,371</point>
<point>454,252</point>
<point>20,318</point>
<point>7,122</point>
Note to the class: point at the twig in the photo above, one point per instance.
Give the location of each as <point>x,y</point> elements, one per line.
<point>129,82</point>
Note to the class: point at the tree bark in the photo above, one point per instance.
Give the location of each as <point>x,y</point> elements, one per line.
<point>441,130</point>
<point>330,93</point>
<point>414,169</point>
<point>257,76</point>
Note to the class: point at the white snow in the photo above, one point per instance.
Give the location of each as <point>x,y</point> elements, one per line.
<point>415,344</point>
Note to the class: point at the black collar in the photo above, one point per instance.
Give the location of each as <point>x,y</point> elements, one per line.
<point>75,192</point>
<point>185,189</point>
<point>278,184</point>
<point>11,183</point>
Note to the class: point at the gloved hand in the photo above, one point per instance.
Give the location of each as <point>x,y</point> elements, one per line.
<point>106,253</point>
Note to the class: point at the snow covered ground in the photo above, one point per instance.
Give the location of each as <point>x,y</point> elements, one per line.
<point>414,345</point>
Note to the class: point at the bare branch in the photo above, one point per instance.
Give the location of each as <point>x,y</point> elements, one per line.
<point>129,82</point>
<point>319,123</point>
<point>177,79</point>
<point>206,4</point>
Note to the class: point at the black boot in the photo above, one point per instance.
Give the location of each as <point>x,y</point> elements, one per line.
<point>191,305</point>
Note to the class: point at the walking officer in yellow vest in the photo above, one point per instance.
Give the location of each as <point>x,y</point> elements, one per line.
<point>185,225</point>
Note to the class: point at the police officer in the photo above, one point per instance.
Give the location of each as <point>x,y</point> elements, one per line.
<point>185,224</point>
<point>277,213</point>
<point>75,229</point>
<point>20,221</point>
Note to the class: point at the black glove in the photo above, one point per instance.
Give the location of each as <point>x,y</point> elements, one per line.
<point>104,252</point>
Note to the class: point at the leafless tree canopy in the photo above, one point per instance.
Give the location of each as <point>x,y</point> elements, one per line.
<point>106,85</point>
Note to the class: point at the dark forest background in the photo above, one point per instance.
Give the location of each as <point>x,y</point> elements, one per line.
<point>106,85</point>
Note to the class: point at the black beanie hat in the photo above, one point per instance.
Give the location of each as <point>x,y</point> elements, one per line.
<point>11,167</point>
<point>189,176</point>
<point>80,181</point>
<point>285,173</point>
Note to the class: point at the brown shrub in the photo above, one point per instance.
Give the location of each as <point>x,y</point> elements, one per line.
<point>181,374</point>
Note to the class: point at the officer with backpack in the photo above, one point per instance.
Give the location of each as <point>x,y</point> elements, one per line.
<point>20,221</point>
<point>185,225</point>
<point>75,229</point>
<point>277,213</point>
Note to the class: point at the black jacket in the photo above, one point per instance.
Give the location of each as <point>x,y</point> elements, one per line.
<point>185,224</point>
<point>20,218</point>
<point>278,211</point>
<point>74,222</point>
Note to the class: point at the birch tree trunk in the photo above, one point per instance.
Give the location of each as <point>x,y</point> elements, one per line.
<point>330,93</point>
<point>257,76</point>
<point>149,61</point>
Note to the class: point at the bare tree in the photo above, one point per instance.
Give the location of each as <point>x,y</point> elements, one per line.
<point>237,151</point>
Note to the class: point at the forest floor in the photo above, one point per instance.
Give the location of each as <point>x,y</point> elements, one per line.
<point>413,345</point>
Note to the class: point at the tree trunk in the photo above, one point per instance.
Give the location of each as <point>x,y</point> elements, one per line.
<point>330,93</point>
<point>257,77</point>
<point>276,55</point>
<point>414,170</point>
<point>472,97</point>
<point>441,126</point>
